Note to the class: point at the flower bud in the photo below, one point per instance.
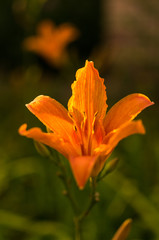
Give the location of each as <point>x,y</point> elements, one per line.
<point>111,166</point>
<point>123,231</point>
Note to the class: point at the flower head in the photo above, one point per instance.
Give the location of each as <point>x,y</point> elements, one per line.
<point>51,41</point>
<point>84,133</point>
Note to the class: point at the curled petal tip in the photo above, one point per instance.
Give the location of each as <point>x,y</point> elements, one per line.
<point>151,103</point>
<point>146,99</point>
<point>22,129</point>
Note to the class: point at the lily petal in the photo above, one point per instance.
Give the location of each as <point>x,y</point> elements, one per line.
<point>53,115</point>
<point>125,110</point>
<point>82,167</point>
<point>88,94</point>
<point>114,137</point>
<point>49,139</point>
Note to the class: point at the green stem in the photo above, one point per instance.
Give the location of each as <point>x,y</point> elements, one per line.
<point>94,198</point>
<point>77,229</point>
<point>69,194</point>
<point>66,182</point>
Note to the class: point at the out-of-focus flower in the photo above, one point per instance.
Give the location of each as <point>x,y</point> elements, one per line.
<point>51,41</point>
<point>85,134</point>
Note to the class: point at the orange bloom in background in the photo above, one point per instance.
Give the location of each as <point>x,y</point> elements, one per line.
<point>51,41</point>
<point>84,133</point>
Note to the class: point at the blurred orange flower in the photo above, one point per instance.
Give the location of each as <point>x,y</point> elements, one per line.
<point>85,134</point>
<point>51,41</point>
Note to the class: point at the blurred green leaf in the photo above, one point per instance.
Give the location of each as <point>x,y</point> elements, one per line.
<point>17,222</point>
<point>132,196</point>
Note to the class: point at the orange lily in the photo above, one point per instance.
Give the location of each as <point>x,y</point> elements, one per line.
<point>84,133</point>
<point>51,41</point>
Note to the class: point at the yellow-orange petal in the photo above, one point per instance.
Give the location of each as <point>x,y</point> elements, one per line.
<point>82,167</point>
<point>127,129</point>
<point>53,115</point>
<point>125,110</point>
<point>49,139</point>
<point>88,94</point>
<point>112,139</point>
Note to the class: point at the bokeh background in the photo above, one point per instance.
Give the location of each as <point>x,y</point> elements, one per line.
<point>122,39</point>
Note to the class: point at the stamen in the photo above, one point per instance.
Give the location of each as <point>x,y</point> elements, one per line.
<point>93,123</point>
<point>70,115</point>
<point>75,128</point>
<point>82,149</point>
<point>96,114</point>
